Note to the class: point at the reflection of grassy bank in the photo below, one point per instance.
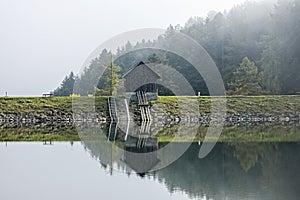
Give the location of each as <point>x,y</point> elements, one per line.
<point>236,134</point>
<point>36,134</point>
<point>229,134</point>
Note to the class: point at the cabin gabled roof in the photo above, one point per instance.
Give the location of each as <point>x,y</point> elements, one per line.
<point>141,63</point>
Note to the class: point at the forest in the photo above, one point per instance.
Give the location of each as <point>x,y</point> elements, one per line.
<point>255,45</point>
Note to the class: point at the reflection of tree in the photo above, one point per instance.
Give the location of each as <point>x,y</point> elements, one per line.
<point>108,154</point>
<point>246,155</point>
<point>231,170</point>
<point>194,176</point>
<point>249,154</point>
<point>221,175</point>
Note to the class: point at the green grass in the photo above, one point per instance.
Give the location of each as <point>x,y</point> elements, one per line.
<point>234,104</point>
<point>172,105</point>
<point>264,104</point>
<point>25,105</point>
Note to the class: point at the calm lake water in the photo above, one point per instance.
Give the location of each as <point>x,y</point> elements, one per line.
<point>65,170</point>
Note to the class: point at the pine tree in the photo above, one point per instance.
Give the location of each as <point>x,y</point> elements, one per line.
<point>108,82</point>
<point>66,87</point>
<point>246,79</point>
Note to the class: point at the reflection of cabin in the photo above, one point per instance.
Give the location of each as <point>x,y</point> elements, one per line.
<point>141,78</point>
<point>139,155</point>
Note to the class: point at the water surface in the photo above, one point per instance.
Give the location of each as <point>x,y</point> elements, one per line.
<point>65,170</point>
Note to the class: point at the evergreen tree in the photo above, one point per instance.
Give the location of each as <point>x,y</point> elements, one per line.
<point>246,79</point>
<point>109,81</point>
<point>281,49</point>
<point>89,79</point>
<point>154,58</point>
<point>66,87</point>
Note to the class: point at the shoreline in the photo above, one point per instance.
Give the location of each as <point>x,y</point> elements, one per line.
<point>240,111</point>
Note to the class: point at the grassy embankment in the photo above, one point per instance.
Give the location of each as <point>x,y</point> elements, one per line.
<point>276,105</point>
<point>240,104</point>
<point>26,105</point>
<point>237,104</point>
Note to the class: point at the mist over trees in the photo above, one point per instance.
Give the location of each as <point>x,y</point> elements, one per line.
<point>255,45</point>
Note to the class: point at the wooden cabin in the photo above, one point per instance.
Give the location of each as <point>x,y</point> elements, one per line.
<point>141,78</point>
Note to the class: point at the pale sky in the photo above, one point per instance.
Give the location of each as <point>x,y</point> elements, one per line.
<point>41,41</point>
